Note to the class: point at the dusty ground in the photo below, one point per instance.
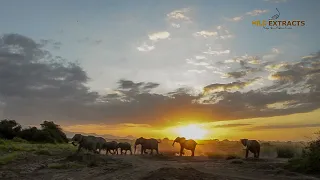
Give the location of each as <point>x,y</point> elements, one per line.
<point>146,167</point>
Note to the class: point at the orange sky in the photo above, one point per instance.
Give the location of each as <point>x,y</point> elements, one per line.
<point>290,127</point>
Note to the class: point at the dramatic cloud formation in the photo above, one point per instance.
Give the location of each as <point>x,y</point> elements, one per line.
<point>35,85</point>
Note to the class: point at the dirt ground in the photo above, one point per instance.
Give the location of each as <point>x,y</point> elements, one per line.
<point>143,167</point>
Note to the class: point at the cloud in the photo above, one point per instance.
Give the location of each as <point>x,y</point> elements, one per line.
<point>179,14</point>
<point>37,86</point>
<point>175,25</point>
<point>222,52</point>
<point>230,86</point>
<point>286,126</point>
<point>230,125</point>
<point>50,42</point>
<point>159,35</point>
<point>197,71</point>
<point>235,19</point>
<point>305,71</point>
<point>236,74</point>
<point>205,33</point>
<point>200,57</point>
<point>196,63</point>
<point>145,47</point>
<point>223,32</point>
<point>256,12</point>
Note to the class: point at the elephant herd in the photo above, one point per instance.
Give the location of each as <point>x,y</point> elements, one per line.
<point>96,144</point>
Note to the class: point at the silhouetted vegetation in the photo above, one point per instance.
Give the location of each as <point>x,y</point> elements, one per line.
<point>9,129</point>
<point>49,132</point>
<point>309,162</point>
<point>285,152</point>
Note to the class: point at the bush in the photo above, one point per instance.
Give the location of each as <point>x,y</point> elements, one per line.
<point>9,129</point>
<point>285,152</point>
<point>310,160</point>
<point>36,135</point>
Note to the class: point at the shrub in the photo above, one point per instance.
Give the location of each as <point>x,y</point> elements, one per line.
<point>9,129</point>
<point>310,160</point>
<point>36,135</point>
<point>285,152</point>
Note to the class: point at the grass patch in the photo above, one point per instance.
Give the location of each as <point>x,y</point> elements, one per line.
<point>6,158</point>
<point>11,145</point>
<point>43,152</point>
<point>20,140</point>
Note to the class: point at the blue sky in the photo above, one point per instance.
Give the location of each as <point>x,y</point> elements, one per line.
<point>123,26</point>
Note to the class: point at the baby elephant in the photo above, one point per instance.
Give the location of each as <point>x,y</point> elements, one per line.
<point>108,146</point>
<point>124,147</point>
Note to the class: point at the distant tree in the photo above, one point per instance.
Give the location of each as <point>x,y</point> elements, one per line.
<point>9,128</point>
<point>55,131</point>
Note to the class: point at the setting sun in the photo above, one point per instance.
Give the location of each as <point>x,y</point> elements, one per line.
<point>192,131</point>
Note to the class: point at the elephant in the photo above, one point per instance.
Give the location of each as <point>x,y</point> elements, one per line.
<point>89,143</point>
<point>151,144</point>
<point>112,145</point>
<point>100,143</point>
<point>189,144</point>
<point>124,147</point>
<point>252,146</point>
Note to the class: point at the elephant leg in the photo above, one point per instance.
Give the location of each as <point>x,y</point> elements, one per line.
<point>151,151</point>
<point>130,152</point>
<point>192,152</point>
<point>79,148</point>
<point>142,151</point>
<point>181,151</point>
<point>157,150</point>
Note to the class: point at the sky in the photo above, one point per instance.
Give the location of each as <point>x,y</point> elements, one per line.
<point>145,67</point>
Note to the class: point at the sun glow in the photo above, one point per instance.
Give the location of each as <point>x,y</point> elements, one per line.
<point>192,131</point>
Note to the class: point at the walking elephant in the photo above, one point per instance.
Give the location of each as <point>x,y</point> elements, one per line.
<point>100,143</point>
<point>89,143</point>
<point>189,144</point>
<point>151,144</point>
<point>252,146</point>
<point>124,146</point>
<point>112,145</point>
